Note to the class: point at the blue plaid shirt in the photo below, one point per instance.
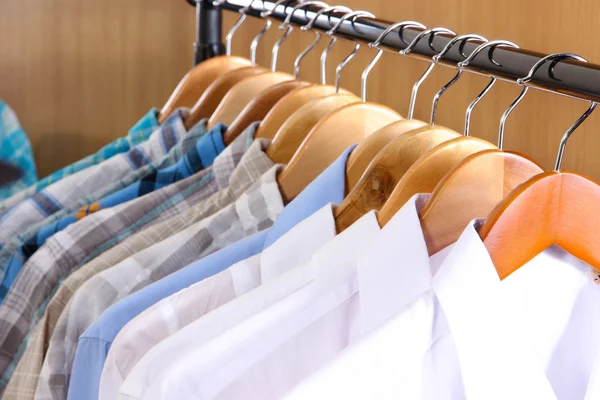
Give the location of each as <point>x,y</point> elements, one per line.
<point>197,158</point>
<point>15,149</point>
<point>140,132</point>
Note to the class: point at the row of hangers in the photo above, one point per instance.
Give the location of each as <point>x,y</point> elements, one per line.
<point>526,209</point>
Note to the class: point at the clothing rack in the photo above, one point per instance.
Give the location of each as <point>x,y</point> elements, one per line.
<point>574,79</point>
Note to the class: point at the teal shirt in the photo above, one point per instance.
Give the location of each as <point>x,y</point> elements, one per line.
<point>15,149</point>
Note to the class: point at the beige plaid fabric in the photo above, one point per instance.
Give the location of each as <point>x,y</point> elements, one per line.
<point>231,176</point>
<point>254,210</point>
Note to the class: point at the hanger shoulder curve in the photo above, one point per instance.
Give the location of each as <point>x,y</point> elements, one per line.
<point>368,148</point>
<point>290,103</point>
<point>214,93</point>
<point>296,128</point>
<point>241,94</point>
<point>259,106</point>
<point>550,208</point>
<point>424,175</point>
<point>386,170</point>
<point>195,82</point>
<point>471,189</point>
<point>328,139</point>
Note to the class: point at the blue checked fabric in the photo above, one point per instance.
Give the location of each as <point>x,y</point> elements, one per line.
<point>188,142</point>
<point>70,190</point>
<point>139,133</point>
<point>15,149</point>
<point>198,158</point>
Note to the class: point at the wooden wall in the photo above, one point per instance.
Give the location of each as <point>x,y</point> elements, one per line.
<point>80,73</point>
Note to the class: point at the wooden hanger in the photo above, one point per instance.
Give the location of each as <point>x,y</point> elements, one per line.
<point>424,175</point>
<point>241,94</point>
<point>289,104</point>
<point>195,82</point>
<point>328,139</point>
<point>386,170</point>
<point>362,156</point>
<point>471,190</point>
<point>259,106</point>
<point>298,126</point>
<point>550,208</point>
<point>214,93</point>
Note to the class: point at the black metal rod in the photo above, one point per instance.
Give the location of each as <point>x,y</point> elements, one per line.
<point>569,78</point>
<point>208,31</point>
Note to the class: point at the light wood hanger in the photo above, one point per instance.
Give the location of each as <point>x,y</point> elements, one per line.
<point>298,126</point>
<point>386,171</point>
<point>289,104</point>
<point>259,106</point>
<point>550,208</point>
<point>293,101</point>
<point>473,187</point>
<point>195,82</point>
<point>212,96</point>
<point>366,151</point>
<point>328,139</point>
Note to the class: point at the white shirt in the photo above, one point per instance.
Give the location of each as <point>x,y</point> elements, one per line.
<point>290,251</point>
<point>534,335</point>
<point>181,309</point>
<point>265,356</point>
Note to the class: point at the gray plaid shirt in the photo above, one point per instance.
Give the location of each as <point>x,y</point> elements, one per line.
<point>234,169</point>
<point>164,147</point>
<point>254,210</point>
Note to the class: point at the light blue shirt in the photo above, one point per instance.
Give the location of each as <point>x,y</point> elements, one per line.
<point>94,344</point>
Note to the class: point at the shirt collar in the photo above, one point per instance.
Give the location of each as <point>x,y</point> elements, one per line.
<point>395,270</point>
<point>210,145</point>
<point>495,363</point>
<point>236,162</point>
<point>329,187</point>
<point>147,124</point>
<point>298,245</point>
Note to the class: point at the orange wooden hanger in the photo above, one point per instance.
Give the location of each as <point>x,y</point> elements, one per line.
<point>473,187</point>
<point>198,80</point>
<point>550,208</point>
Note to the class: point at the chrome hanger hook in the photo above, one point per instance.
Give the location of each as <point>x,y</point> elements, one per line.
<point>567,135</point>
<point>492,45</point>
<point>256,40</point>
<point>338,70</point>
<point>431,32</point>
<point>375,45</point>
<point>287,24</point>
<point>268,13</point>
<point>331,32</point>
<point>236,26</point>
<point>521,81</point>
<point>318,35</point>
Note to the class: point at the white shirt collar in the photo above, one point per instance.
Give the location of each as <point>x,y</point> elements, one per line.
<point>494,362</point>
<point>298,245</point>
<point>395,270</point>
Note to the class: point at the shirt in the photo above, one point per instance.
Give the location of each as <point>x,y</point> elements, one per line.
<point>139,133</point>
<point>175,312</point>
<point>255,209</point>
<point>238,164</point>
<point>461,333</point>
<point>198,158</point>
<point>68,191</point>
<point>15,149</point>
<point>94,344</point>
<point>203,330</point>
<point>188,141</point>
<point>232,354</point>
